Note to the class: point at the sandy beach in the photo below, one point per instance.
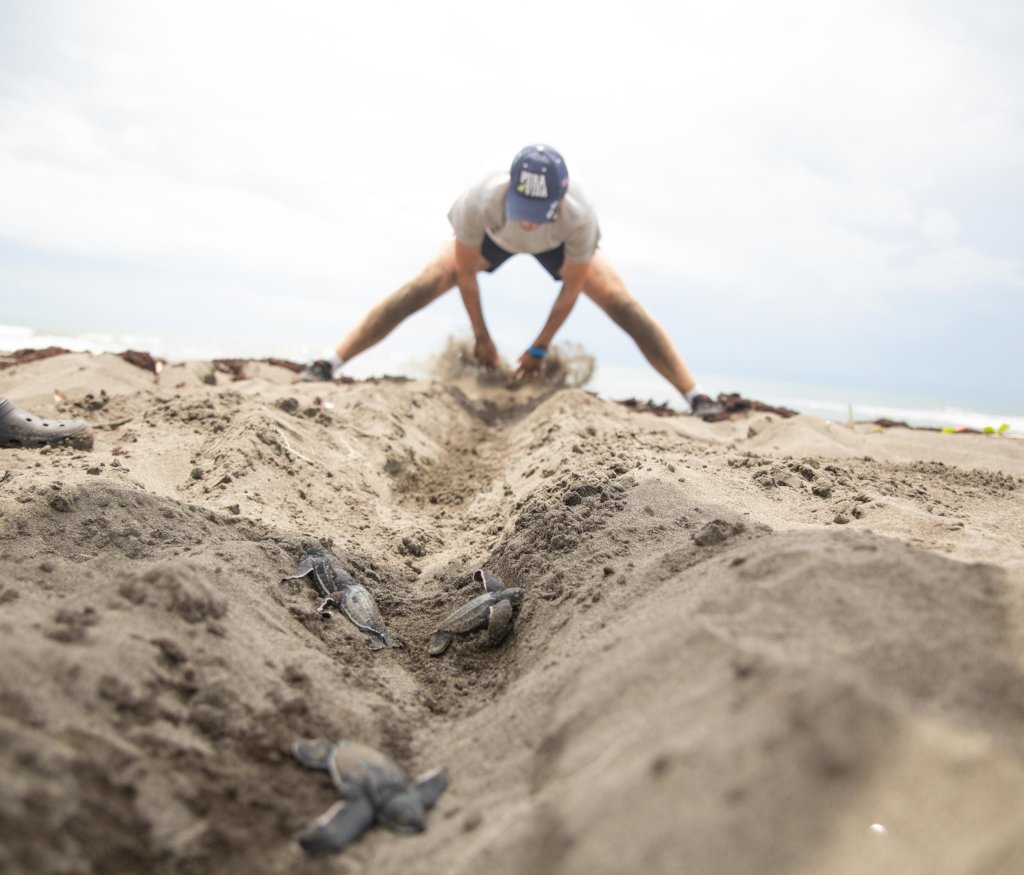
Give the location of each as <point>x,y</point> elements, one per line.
<point>764,646</point>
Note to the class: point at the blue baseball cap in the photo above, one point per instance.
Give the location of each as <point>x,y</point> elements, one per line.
<point>538,183</point>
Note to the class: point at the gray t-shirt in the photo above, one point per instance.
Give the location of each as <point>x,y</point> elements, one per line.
<point>480,210</point>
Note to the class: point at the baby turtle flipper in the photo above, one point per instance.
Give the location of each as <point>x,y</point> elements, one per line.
<point>305,566</point>
<point>314,753</point>
<point>489,581</point>
<point>499,622</point>
<point>322,569</point>
<point>391,641</point>
<point>431,785</point>
<point>378,641</point>
<point>439,643</point>
<point>341,824</point>
<point>324,608</point>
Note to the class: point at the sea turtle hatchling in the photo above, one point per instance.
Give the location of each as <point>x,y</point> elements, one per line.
<point>373,790</point>
<point>340,590</point>
<point>495,609</point>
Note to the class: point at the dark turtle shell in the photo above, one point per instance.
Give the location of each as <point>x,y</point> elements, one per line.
<point>495,609</point>
<point>358,605</point>
<point>470,616</point>
<point>373,788</point>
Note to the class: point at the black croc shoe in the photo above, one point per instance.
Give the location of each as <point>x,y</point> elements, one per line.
<point>317,372</point>
<point>19,428</point>
<point>707,409</point>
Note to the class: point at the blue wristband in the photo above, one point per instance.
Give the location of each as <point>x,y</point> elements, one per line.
<point>537,352</point>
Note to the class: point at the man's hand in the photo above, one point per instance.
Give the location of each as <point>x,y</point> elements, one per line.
<point>530,367</point>
<point>486,353</point>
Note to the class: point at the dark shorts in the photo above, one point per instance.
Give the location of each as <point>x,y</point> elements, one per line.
<point>551,261</point>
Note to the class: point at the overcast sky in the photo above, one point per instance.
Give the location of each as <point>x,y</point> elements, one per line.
<point>826,192</point>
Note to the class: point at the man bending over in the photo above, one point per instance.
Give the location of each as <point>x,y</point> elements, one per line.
<point>534,209</point>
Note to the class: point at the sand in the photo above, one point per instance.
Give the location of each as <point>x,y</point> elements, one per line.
<point>760,646</point>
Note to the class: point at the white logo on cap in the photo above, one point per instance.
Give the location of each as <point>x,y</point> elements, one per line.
<point>532,184</point>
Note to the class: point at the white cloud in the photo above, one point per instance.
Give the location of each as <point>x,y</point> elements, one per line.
<point>939,224</point>
<point>788,152</point>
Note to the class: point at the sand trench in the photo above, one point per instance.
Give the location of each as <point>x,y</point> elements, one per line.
<point>741,646</point>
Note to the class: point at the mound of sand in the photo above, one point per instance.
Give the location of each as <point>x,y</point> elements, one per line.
<point>758,646</point>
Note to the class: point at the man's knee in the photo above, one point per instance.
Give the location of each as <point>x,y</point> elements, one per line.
<point>441,269</point>
<point>610,294</point>
<point>620,306</point>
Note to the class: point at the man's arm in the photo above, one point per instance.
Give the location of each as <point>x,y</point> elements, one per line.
<point>467,263</point>
<point>573,275</point>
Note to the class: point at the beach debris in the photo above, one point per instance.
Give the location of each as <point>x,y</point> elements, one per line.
<point>495,609</point>
<point>142,360</point>
<point>340,590</point>
<point>25,356</point>
<point>988,429</point>
<point>731,402</point>
<point>373,788</point>
<point>288,447</point>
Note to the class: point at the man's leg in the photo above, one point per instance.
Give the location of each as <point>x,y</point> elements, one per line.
<point>436,278</point>
<point>606,288</point>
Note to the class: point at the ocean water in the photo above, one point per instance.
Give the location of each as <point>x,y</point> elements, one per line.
<point>611,382</point>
